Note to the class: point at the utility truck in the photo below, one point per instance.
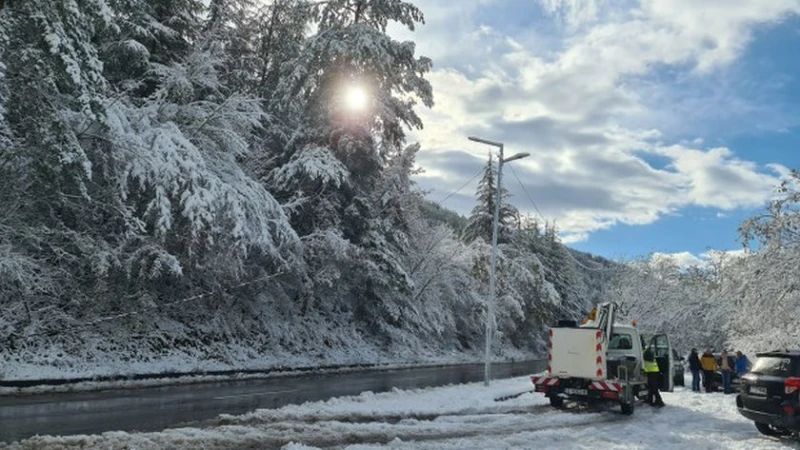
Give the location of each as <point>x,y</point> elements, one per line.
<point>601,361</point>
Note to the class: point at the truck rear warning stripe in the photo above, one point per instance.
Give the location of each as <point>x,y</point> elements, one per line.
<point>603,386</point>
<point>545,381</point>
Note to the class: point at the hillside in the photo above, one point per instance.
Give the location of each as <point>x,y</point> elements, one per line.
<point>186,188</point>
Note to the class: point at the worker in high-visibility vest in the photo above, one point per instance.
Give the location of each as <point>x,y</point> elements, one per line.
<point>653,379</point>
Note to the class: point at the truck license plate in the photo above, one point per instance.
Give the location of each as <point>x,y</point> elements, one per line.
<point>757,390</point>
<point>571,391</point>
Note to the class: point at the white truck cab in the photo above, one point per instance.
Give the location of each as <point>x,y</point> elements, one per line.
<point>601,361</point>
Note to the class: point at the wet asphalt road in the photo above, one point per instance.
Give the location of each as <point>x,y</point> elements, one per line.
<point>157,408</point>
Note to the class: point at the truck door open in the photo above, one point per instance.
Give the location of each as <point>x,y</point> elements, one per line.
<point>662,349</point>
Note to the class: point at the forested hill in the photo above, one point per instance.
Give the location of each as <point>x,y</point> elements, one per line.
<point>185,186</point>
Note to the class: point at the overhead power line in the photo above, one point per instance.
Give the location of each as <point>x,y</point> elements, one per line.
<point>460,188</point>
<point>527,194</point>
<point>98,320</point>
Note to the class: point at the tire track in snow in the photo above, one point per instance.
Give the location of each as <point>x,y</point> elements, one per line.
<point>361,418</point>
<point>334,433</point>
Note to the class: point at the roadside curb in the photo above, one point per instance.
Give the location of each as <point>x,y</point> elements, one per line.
<point>224,374</point>
<point>171,375</point>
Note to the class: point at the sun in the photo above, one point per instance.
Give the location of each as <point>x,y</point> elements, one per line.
<point>356,98</point>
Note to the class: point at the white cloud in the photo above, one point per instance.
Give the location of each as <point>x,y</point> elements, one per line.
<point>718,29</point>
<point>575,12</point>
<point>720,256</point>
<point>573,238</point>
<point>717,178</point>
<point>681,259</point>
<point>572,107</point>
<point>685,260</point>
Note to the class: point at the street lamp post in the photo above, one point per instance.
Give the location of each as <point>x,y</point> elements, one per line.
<point>493,263</point>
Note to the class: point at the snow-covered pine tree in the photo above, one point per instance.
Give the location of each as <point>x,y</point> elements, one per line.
<point>480,222</point>
<point>282,29</point>
<point>24,283</point>
<point>52,81</point>
<point>562,272</point>
<point>125,148</point>
<point>351,49</point>
<point>397,195</point>
<point>5,130</point>
<point>178,138</point>
<point>54,78</point>
<point>231,31</point>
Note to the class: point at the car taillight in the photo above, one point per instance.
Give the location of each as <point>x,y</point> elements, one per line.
<point>791,385</point>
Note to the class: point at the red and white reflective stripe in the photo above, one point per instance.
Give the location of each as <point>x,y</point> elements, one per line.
<point>603,386</point>
<point>599,349</point>
<point>545,381</point>
<point>550,350</point>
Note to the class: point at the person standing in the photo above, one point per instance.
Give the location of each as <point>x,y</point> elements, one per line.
<point>653,379</point>
<point>742,364</point>
<point>694,367</point>
<point>725,367</point>
<point>709,365</point>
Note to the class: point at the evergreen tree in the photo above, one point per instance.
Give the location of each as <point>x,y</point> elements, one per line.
<point>350,48</point>
<point>132,185</point>
<point>481,220</point>
<point>5,131</point>
<point>562,273</point>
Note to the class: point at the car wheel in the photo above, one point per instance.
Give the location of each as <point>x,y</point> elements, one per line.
<point>769,430</point>
<point>556,401</point>
<point>627,408</point>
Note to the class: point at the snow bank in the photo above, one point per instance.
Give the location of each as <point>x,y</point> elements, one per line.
<point>455,417</point>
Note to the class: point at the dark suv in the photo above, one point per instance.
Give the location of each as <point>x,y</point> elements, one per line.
<point>769,393</point>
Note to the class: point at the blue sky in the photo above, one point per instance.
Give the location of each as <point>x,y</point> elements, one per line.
<point>653,125</point>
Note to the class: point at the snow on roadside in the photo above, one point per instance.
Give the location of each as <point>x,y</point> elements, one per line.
<point>86,386</point>
<point>460,417</point>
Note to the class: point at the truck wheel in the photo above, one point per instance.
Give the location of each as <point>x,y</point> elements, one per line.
<point>627,408</point>
<point>556,401</point>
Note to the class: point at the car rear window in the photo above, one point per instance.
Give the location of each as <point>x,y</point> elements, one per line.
<point>776,366</point>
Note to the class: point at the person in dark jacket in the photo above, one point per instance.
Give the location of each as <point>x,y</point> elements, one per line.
<point>694,367</point>
<point>653,379</point>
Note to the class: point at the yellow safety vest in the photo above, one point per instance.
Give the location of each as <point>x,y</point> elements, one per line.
<point>650,366</point>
